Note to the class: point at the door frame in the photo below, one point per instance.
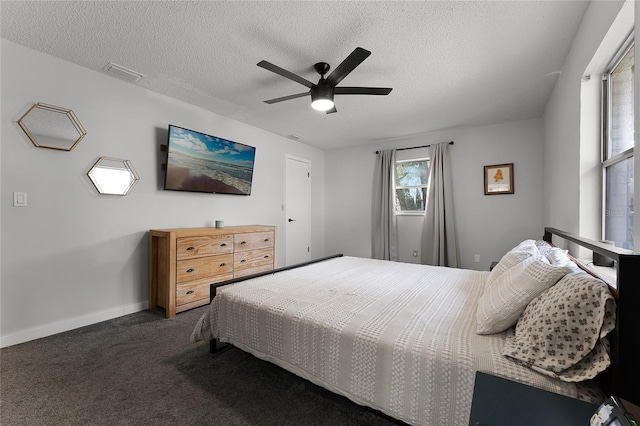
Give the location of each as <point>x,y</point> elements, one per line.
<point>286,203</point>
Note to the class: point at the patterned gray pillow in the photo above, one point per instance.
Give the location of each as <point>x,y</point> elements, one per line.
<point>562,332</point>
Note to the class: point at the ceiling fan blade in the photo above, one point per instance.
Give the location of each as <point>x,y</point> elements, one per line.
<point>332,110</point>
<point>349,64</point>
<point>287,74</point>
<point>362,90</point>
<point>286,98</point>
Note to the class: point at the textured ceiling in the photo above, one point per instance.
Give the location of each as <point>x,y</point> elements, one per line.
<point>450,63</point>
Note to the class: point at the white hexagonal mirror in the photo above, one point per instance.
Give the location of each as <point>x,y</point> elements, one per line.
<point>113,176</point>
<point>49,126</point>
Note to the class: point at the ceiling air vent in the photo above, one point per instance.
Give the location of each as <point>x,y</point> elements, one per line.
<point>122,73</point>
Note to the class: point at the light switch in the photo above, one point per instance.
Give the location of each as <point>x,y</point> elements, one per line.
<point>19,199</point>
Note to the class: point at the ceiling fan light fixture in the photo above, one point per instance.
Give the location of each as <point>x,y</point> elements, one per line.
<point>322,104</point>
<point>322,98</point>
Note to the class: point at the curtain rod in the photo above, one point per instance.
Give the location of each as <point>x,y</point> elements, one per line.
<point>415,147</point>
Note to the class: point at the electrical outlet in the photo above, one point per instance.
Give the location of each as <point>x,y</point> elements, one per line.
<point>476,258</point>
<point>415,253</point>
<point>19,199</point>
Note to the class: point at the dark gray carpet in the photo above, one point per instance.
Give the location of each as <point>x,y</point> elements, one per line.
<point>141,369</point>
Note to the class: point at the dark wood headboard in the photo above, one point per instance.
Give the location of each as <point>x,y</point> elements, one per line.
<point>623,377</point>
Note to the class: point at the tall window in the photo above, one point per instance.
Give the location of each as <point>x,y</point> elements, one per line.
<point>411,180</point>
<point>618,147</point>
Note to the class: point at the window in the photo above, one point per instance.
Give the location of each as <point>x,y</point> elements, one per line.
<point>411,180</point>
<point>618,148</point>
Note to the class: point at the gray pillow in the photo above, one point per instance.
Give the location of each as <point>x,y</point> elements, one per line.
<point>505,299</point>
<point>514,256</point>
<point>562,332</point>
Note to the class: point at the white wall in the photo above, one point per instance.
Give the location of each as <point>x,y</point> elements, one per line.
<point>590,157</point>
<point>74,257</point>
<point>488,225</point>
<point>562,150</point>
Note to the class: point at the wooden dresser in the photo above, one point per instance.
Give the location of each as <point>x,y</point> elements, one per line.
<point>184,261</point>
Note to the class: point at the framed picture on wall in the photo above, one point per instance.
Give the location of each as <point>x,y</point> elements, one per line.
<point>498,179</point>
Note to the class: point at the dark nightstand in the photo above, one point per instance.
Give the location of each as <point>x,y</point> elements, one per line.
<point>501,402</point>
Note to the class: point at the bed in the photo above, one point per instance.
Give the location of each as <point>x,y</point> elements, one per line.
<point>406,339</point>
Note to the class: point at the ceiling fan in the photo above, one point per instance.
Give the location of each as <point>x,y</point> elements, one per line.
<point>322,93</point>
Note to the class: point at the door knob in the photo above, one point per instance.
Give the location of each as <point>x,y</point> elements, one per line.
<point>292,220</point>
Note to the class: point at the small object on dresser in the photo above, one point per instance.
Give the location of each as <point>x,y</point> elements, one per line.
<point>219,223</point>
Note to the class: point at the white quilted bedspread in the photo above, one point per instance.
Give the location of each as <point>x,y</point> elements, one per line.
<point>397,337</point>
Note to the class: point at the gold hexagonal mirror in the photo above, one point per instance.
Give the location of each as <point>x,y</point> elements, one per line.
<point>49,126</point>
<point>113,176</point>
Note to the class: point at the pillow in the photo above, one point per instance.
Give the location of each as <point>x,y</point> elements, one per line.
<point>514,256</point>
<point>524,245</point>
<point>506,298</point>
<point>543,247</point>
<point>557,256</point>
<point>562,332</point>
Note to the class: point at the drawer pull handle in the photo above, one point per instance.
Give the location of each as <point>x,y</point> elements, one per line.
<point>223,264</point>
<point>223,245</point>
<point>190,248</point>
<point>243,260</point>
<point>266,239</point>
<point>190,270</point>
<point>244,242</point>
<point>191,292</point>
<point>266,256</point>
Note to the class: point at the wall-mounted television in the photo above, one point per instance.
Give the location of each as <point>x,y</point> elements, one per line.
<point>199,162</point>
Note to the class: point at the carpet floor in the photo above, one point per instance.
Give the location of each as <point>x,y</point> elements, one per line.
<point>141,369</point>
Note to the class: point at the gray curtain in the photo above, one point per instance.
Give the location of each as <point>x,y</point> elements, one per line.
<point>384,231</point>
<point>438,233</point>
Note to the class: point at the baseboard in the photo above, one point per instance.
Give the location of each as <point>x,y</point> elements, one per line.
<point>70,324</point>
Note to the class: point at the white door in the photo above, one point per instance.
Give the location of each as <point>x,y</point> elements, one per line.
<point>297,211</point>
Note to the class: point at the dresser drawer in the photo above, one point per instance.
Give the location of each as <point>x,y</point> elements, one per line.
<point>255,240</point>
<point>252,261</point>
<point>197,290</point>
<point>191,247</point>
<point>203,267</point>
<point>239,273</point>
